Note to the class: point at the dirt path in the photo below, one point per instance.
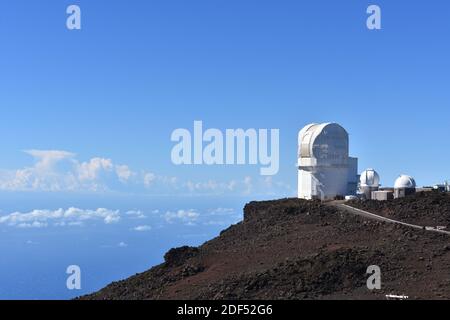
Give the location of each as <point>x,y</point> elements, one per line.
<point>372,216</point>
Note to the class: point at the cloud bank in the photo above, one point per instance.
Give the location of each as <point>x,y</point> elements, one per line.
<point>71,217</point>
<point>60,217</point>
<point>62,171</point>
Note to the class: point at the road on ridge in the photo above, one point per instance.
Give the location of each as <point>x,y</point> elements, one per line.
<point>372,216</point>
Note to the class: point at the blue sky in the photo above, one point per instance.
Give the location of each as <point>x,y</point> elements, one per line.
<point>137,71</point>
<point>105,100</point>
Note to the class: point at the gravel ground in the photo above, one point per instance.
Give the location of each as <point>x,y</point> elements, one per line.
<point>296,249</point>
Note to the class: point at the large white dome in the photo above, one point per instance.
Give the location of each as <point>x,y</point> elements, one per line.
<point>369,178</point>
<point>327,144</point>
<point>325,169</point>
<point>405,182</point>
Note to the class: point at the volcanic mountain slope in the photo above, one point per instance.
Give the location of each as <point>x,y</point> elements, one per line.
<point>424,208</point>
<point>296,249</point>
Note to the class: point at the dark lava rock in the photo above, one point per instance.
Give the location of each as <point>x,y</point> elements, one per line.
<point>178,256</point>
<point>424,208</point>
<point>297,249</point>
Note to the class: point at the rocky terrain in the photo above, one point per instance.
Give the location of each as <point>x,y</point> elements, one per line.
<point>296,249</point>
<point>424,208</point>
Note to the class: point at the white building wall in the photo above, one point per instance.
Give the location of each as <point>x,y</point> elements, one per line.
<point>324,168</point>
<point>324,183</point>
<point>305,185</point>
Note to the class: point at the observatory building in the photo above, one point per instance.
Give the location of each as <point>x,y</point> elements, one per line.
<point>325,170</point>
<point>369,182</point>
<point>404,186</point>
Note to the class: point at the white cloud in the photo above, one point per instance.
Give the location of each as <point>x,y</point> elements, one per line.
<point>210,186</point>
<point>46,159</point>
<point>217,223</point>
<point>35,224</point>
<point>222,211</point>
<point>124,173</point>
<point>142,228</point>
<point>60,217</point>
<point>149,178</point>
<point>122,245</point>
<point>56,170</point>
<point>41,176</point>
<point>187,216</point>
<point>136,214</point>
<point>111,219</point>
<point>92,169</point>
<point>61,171</point>
<point>222,216</point>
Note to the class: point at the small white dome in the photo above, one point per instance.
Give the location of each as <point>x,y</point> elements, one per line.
<point>369,178</point>
<point>405,182</point>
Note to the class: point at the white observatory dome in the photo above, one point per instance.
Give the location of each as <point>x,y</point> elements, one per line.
<point>325,169</point>
<point>405,182</point>
<point>370,178</point>
<point>323,144</point>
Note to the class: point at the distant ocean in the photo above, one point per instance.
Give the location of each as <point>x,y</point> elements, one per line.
<point>34,258</point>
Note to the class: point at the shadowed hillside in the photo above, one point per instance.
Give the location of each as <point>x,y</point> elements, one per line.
<point>295,249</point>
